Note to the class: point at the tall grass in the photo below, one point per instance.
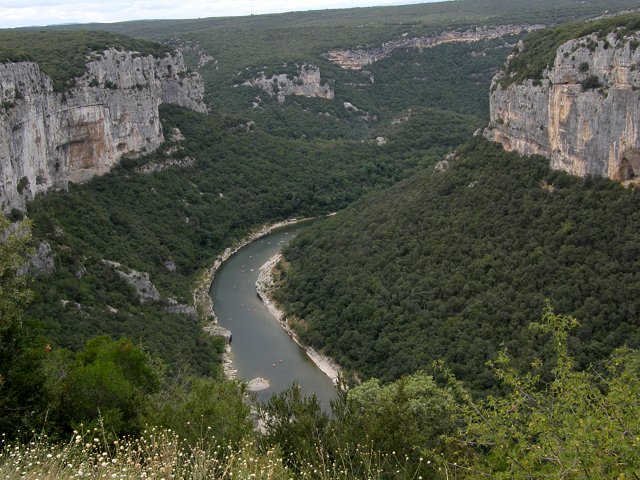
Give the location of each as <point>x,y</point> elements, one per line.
<point>161,454</point>
<point>158,453</point>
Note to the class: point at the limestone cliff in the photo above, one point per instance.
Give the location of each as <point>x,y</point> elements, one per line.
<point>306,83</point>
<point>584,115</point>
<point>48,139</point>
<point>355,59</point>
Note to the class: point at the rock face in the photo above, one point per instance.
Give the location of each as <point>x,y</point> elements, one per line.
<point>140,281</point>
<point>355,59</point>
<point>181,309</point>
<point>41,261</point>
<point>48,139</point>
<point>307,84</point>
<point>585,113</point>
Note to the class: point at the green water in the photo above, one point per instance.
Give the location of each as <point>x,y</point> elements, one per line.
<point>260,347</point>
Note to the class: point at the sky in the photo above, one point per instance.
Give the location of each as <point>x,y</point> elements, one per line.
<point>23,13</point>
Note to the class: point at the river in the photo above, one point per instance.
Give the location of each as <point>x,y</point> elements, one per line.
<point>260,347</point>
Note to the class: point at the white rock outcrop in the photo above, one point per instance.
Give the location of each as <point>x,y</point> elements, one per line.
<point>306,83</point>
<point>584,115</point>
<point>355,59</point>
<point>140,281</point>
<point>48,139</point>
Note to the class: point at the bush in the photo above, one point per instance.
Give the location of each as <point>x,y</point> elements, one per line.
<point>590,83</point>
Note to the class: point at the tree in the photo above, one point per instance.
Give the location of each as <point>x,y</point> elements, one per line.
<point>21,378</point>
<point>581,424</point>
<point>14,294</point>
<point>405,416</point>
<point>205,412</point>
<point>107,382</point>
<point>296,424</point>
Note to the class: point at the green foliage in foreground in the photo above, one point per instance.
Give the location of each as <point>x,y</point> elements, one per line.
<point>581,424</point>
<point>20,353</point>
<point>189,215</point>
<point>106,383</point>
<point>63,55</point>
<point>450,265</point>
<point>540,47</point>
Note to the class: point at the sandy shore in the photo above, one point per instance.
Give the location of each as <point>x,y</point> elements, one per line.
<point>202,299</point>
<point>264,288</point>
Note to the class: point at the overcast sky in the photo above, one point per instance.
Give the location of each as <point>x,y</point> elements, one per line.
<point>22,13</point>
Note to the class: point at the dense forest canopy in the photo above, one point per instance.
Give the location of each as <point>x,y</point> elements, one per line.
<point>63,55</point>
<point>451,265</point>
<point>189,215</point>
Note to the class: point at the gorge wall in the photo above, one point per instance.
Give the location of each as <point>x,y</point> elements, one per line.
<point>48,139</point>
<point>584,115</point>
<point>355,59</point>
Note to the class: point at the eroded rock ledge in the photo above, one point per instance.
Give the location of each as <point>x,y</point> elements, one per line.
<point>48,139</point>
<point>355,59</point>
<point>584,115</point>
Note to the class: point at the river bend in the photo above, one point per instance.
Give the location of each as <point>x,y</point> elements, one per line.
<point>260,347</point>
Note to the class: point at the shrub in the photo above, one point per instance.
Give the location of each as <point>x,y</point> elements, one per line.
<point>590,83</point>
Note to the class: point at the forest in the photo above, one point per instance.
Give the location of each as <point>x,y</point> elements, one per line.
<point>110,410</point>
<point>484,306</point>
<point>189,215</point>
<point>453,265</point>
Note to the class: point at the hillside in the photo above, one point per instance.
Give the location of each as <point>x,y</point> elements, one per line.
<point>163,208</point>
<point>244,166</point>
<point>451,265</point>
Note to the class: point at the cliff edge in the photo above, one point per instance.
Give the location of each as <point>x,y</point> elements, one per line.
<point>50,138</point>
<point>584,111</point>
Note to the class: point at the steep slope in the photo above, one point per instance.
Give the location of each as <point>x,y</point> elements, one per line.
<point>49,138</point>
<point>456,262</point>
<point>584,111</point>
<point>176,218</point>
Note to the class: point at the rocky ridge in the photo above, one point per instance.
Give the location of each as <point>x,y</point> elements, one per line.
<point>192,47</point>
<point>48,139</point>
<point>584,115</point>
<point>147,292</point>
<point>140,281</point>
<point>306,83</point>
<point>355,59</point>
